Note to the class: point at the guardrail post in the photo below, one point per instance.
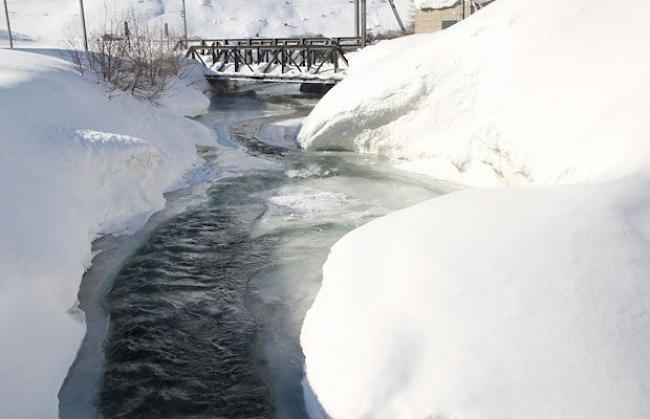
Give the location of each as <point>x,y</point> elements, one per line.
<point>282,59</point>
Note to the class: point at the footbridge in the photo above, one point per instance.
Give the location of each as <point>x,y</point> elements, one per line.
<point>288,60</point>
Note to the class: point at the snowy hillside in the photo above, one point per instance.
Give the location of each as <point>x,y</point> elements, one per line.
<point>57,20</point>
<point>525,302</point>
<point>73,165</point>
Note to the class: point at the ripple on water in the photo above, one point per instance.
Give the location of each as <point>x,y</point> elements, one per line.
<point>181,340</point>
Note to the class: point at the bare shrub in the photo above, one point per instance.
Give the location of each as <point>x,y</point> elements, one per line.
<point>130,56</point>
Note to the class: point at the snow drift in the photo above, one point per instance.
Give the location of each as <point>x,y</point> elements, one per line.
<point>73,165</point>
<point>525,303</point>
<point>499,302</point>
<point>540,92</point>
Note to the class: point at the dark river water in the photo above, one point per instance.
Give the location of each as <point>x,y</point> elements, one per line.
<point>198,315</point>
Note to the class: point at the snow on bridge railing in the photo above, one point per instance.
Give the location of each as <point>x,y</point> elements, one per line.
<point>347,43</point>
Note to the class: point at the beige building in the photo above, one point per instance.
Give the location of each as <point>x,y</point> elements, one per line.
<point>436,15</point>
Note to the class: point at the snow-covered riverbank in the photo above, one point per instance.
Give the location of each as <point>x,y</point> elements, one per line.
<point>502,302</point>
<point>73,165</point>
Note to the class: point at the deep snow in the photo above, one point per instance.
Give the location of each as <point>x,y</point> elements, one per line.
<point>73,165</point>
<point>533,93</point>
<point>525,302</point>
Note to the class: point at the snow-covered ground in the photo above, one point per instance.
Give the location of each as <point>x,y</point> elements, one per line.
<point>73,165</point>
<point>534,93</point>
<point>525,302</point>
<point>58,20</point>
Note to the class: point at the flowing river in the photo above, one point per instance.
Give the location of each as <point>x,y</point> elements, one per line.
<point>198,315</point>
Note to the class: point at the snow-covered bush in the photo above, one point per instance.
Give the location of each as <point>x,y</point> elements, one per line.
<point>140,60</point>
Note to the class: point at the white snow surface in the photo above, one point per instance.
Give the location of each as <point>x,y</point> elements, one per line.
<point>515,90</point>
<point>73,165</point>
<point>529,301</point>
<point>188,93</point>
<point>58,20</point>
<point>522,303</point>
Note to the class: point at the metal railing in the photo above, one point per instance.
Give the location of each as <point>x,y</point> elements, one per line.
<point>296,55</point>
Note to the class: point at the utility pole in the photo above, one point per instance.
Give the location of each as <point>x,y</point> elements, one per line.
<point>11,38</point>
<point>356,18</point>
<point>363,29</point>
<point>184,21</point>
<point>399,19</point>
<point>83,24</point>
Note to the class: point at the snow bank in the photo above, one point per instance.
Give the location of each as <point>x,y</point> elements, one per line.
<point>189,92</point>
<point>523,303</point>
<point>73,165</point>
<point>535,92</point>
<point>498,302</point>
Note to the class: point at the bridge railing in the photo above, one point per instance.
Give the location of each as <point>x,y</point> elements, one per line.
<point>346,43</point>
<point>289,59</point>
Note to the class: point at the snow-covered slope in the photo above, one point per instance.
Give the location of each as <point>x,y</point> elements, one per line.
<point>528,302</point>
<point>540,92</point>
<point>73,165</point>
<point>524,303</point>
<point>57,20</point>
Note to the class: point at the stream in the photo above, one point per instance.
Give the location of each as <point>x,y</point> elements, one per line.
<point>198,314</point>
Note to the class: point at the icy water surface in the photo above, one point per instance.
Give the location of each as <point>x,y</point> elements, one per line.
<point>206,311</point>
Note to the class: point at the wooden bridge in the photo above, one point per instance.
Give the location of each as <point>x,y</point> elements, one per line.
<point>289,60</point>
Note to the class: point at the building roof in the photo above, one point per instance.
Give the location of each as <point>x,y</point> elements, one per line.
<point>442,4</point>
